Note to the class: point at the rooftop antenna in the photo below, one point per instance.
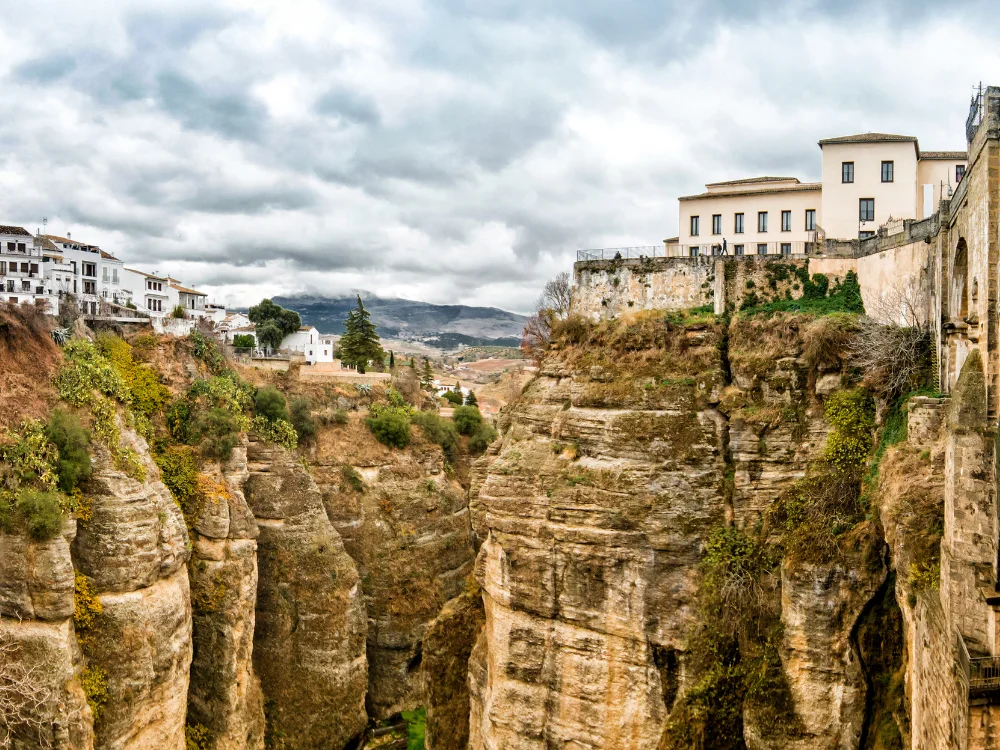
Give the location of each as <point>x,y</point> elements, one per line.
<point>45,225</point>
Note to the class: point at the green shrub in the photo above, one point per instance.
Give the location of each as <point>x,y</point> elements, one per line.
<point>453,397</point>
<point>390,428</point>
<point>67,434</point>
<point>351,478</point>
<point>178,312</point>
<point>278,432</point>
<point>438,430</point>
<point>94,682</point>
<point>179,472</point>
<point>340,416</point>
<point>243,341</point>
<point>852,415</point>
<point>42,513</point>
<point>270,404</point>
<point>302,420</point>
<point>219,434</point>
<point>481,438</point>
<point>467,419</point>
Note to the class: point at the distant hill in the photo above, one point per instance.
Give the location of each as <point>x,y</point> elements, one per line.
<point>444,326</point>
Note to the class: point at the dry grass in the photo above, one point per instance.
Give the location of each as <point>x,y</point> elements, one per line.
<point>911,505</point>
<point>755,343</point>
<point>826,341</point>
<point>28,361</point>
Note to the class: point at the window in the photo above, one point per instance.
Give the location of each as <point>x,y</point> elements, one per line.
<point>24,268</point>
<point>90,269</point>
<point>3,267</point>
<point>693,251</point>
<point>887,171</point>
<point>105,269</point>
<point>761,248</point>
<point>88,287</point>
<point>739,224</point>
<point>786,221</point>
<point>716,223</point>
<point>786,248</point>
<point>114,275</point>
<point>738,249</point>
<point>847,171</point>
<point>694,226</point>
<point>810,219</point>
<point>33,268</point>
<point>11,246</point>
<point>762,221</point>
<point>866,235</point>
<point>959,172</point>
<point>867,209</point>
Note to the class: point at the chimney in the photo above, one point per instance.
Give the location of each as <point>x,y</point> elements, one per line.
<point>69,235</point>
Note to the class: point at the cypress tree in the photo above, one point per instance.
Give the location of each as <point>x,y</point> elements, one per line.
<point>392,360</point>
<point>360,343</point>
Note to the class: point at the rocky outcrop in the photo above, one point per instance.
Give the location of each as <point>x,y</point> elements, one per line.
<point>447,646</point>
<point>594,511</point>
<point>309,642</point>
<point>405,522</point>
<point>133,549</point>
<point>225,695</point>
<point>42,703</point>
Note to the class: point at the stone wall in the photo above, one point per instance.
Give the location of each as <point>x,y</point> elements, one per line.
<point>608,288</point>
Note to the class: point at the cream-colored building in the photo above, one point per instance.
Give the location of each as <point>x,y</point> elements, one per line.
<point>867,180</point>
<point>758,216</point>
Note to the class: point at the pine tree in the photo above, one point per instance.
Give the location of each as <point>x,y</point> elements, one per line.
<point>360,343</point>
<point>427,378</point>
<point>413,363</point>
<point>470,400</point>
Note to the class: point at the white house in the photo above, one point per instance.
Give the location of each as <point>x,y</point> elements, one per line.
<point>233,323</point>
<point>22,276</point>
<point>191,300</point>
<point>96,275</point>
<point>149,292</point>
<point>309,341</point>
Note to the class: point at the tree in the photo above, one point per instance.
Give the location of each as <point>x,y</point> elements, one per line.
<point>467,419</point>
<point>178,312</point>
<point>270,404</point>
<point>427,376</point>
<point>470,400</point>
<point>270,335</point>
<point>360,343</point>
<point>243,341</point>
<point>268,313</point>
<point>392,360</point>
<point>413,363</point>
<point>552,305</point>
<point>302,420</point>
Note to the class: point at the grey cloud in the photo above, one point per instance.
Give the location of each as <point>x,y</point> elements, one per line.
<point>348,105</point>
<point>230,113</point>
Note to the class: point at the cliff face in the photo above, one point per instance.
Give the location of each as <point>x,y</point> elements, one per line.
<point>404,520</point>
<point>636,444</point>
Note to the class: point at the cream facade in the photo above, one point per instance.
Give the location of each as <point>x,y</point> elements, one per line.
<point>938,175</point>
<point>758,216</point>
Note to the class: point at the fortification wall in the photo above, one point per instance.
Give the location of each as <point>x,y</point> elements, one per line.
<point>609,288</point>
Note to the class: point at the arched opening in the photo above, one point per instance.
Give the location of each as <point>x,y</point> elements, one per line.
<point>959,284</point>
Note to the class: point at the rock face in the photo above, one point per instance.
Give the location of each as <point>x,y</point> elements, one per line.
<point>309,643</point>
<point>225,695</point>
<point>405,522</point>
<point>133,550</point>
<point>592,515</point>
<point>37,639</point>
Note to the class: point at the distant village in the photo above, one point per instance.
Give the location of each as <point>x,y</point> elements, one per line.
<point>50,272</point>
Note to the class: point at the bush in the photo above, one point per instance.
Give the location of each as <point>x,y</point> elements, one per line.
<point>67,434</point>
<point>481,438</point>
<point>351,478</point>
<point>467,419</point>
<point>453,397</point>
<point>390,428</point>
<point>179,471</point>
<point>42,512</point>
<point>302,420</point>
<point>219,434</point>
<point>178,312</point>
<point>438,430</point>
<point>243,341</point>
<point>270,404</point>
<point>340,416</point>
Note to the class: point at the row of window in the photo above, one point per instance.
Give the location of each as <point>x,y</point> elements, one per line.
<point>786,249</point>
<point>738,224</point>
<point>16,247</point>
<point>888,169</point>
<point>154,286</point>
<point>12,267</point>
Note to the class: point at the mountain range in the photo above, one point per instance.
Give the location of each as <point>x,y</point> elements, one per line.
<point>443,326</point>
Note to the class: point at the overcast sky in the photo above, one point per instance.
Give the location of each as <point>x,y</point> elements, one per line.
<point>443,150</point>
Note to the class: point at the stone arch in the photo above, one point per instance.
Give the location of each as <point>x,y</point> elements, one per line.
<point>959,281</point>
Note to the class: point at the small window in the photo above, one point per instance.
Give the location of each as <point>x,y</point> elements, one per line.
<point>693,251</point>
<point>887,171</point>
<point>738,249</point>
<point>810,219</point>
<point>716,223</point>
<point>866,235</point>
<point>739,224</point>
<point>959,172</point>
<point>786,221</point>
<point>761,248</point>
<point>20,247</point>
<point>11,246</point>
<point>762,221</point>
<point>786,248</point>
<point>695,226</point>
<point>847,171</point>
<point>867,209</point>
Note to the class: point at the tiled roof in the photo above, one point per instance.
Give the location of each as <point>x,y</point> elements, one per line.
<point>67,241</point>
<point>751,181</point>
<point>869,138</point>
<point>147,275</point>
<point>107,255</point>
<point>186,290</point>
<point>15,230</point>
<point>801,187</point>
<point>949,155</point>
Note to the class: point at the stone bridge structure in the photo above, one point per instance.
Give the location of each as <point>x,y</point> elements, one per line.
<point>942,272</point>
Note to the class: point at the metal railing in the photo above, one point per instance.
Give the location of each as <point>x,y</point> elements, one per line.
<point>742,249</point>
<point>622,253</point>
<point>984,675</point>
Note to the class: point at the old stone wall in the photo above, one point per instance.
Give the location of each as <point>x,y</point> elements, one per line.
<point>609,288</point>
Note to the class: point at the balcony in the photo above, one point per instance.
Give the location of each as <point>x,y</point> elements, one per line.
<point>984,676</point>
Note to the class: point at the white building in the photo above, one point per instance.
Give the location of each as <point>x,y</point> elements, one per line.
<point>22,276</point>
<point>149,292</point>
<point>95,274</point>
<point>233,323</point>
<point>309,341</point>
<point>191,300</point>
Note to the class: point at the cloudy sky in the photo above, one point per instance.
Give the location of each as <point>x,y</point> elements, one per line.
<point>443,150</point>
